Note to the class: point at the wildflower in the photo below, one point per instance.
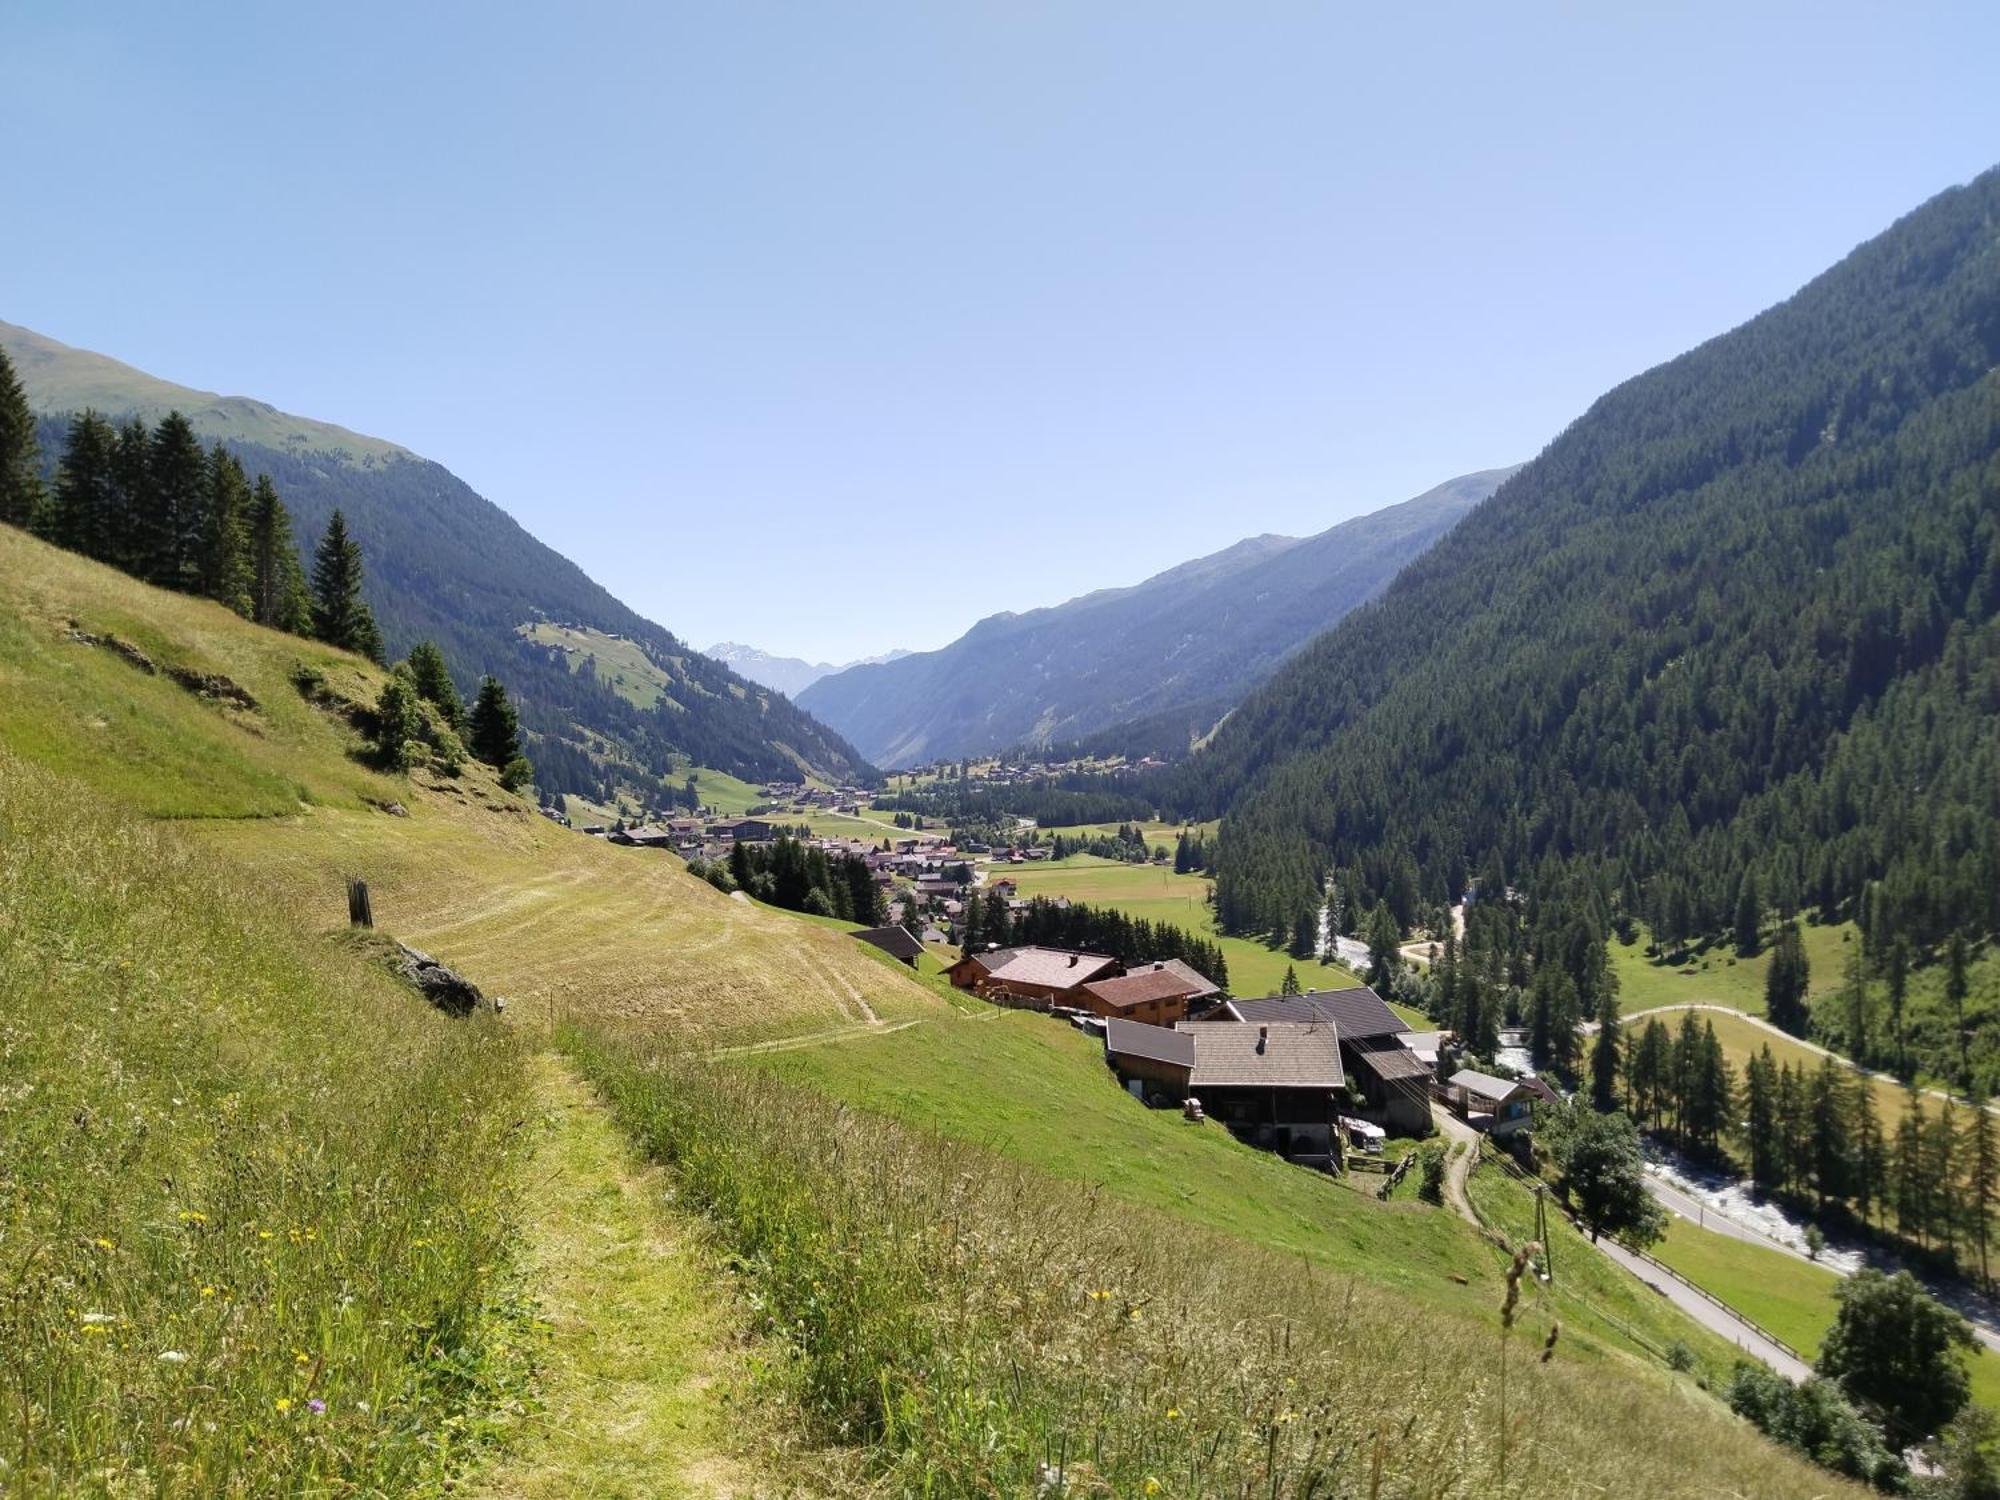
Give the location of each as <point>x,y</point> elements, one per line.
<point>1173,1414</point>
<point>263,1234</point>
<point>316,1406</point>
<point>104,1244</point>
<point>172,1357</point>
<point>1100,1295</point>
<point>284,1404</point>
<point>1133,1314</point>
<point>94,1318</point>
<point>193,1216</point>
<point>299,1357</point>
<point>1152,1485</point>
<point>208,1291</point>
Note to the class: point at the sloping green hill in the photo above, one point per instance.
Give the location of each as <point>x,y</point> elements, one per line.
<point>1193,639</point>
<point>448,565</point>
<point>1738,620</point>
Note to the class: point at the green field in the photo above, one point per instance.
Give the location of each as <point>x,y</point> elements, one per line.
<point>1792,1298</point>
<point>622,665</point>
<point>1714,975</point>
<point>1157,894</point>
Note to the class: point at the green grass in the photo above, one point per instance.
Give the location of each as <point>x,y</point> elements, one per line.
<point>1713,974</point>
<point>1034,1089</point>
<point>621,664</point>
<point>1159,895</point>
<point>972,1319</point>
<point>1793,1298</point>
<point>245,1171</point>
<point>1591,1292</point>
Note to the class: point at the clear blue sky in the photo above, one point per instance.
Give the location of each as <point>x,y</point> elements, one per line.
<point>833,327</point>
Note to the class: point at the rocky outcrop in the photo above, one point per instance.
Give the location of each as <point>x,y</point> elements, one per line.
<point>202,684</point>
<point>447,989</point>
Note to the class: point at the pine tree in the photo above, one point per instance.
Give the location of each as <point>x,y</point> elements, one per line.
<point>1761,1120</point>
<point>86,499</point>
<point>171,534</point>
<point>1290,985</point>
<point>21,496</point>
<point>222,562</point>
<point>1749,913</point>
<point>1787,981</point>
<point>135,506</point>
<point>1832,1146</point>
<point>1383,935</point>
<point>1871,1150</point>
<point>340,615</point>
<point>1981,1152</point>
<point>433,682</point>
<point>1955,990</point>
<point>495,729</point>
<point>278,595</point>
<point>1605,1059</point>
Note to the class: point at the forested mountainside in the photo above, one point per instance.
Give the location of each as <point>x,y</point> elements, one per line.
<point>445,564</point>
<point>1735,627</point>
<point>1206,631</point>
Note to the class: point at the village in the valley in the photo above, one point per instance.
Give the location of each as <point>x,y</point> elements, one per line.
<point>1325,1077</point>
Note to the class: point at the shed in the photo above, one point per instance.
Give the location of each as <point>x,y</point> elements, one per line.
<point>1499,1106</point>
<point>894,941</point>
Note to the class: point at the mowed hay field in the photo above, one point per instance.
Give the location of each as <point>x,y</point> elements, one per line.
<point>1715,975</point>
<point>561,924</point>
<point>1157,894</point>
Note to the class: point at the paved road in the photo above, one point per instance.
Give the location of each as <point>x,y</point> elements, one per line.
<point>1717,1319</point>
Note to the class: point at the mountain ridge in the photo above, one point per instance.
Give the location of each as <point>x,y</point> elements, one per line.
<point>445,563</point>
<point>1206,629</point>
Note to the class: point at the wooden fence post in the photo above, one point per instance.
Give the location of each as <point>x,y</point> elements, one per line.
<point>359,912</point>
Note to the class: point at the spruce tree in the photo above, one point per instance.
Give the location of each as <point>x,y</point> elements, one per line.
<point>1761,1119</point>
<point>1787,981</point>
<point>20,455</point>
<point>1605,1057</point>
<point>1981,1152</point>
<point>340,616</point>
<point>222,563</point>
<point>278,594</point>
<point>397,722</point>
<point>85,508</point>
<point>1290,984</point>
<point>135,507</point>
<point>433,681</point>
<point>1749,912</point>
<point>171,533</point>
<point>495,729</point>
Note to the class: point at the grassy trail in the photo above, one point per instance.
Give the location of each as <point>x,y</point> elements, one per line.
<point>638,1368</point>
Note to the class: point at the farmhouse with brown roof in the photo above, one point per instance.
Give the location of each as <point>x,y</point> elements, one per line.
<point>1157,993</point>
<point>1034,977</point>
<point>1274,1084</point>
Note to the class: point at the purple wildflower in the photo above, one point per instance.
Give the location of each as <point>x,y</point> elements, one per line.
<point>316,1406</point>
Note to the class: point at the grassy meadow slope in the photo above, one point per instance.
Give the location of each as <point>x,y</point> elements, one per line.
<point>173,881</point>
<point>252,1197</point>
<point>446,564</point>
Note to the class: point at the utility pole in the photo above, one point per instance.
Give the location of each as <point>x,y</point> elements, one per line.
<point>1542,1231</point>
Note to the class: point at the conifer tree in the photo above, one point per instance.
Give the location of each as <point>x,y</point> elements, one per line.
<point>21,496</point>
<point>1749,912</point>
<point>134,503</point>
<point>171,532</point>
<point>1981,1152</point>
<point>1787,981</point>
<point>1941,1177</point>
<point>1290,983</point>
<point>397,722</point>
<point>433,682</point>
<point>84,512</point>
<point>1955,990</point>
<point>495,729</point>
<point>278,595</point>
<point>222,564</point>
<point>1911,1189</point>
<point>1605,1057</point>
<point>1832,1147</point>
<point>1871,1150</point>
<point>1383,935</point>
<point>1760,1110</point>
<point>340,616</point>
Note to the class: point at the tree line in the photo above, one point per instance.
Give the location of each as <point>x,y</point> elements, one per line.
<point>789,873</point>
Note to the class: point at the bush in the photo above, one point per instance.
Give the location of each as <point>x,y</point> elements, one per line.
<point>517,773</point>
<point>1432,1166</point>
<point>1817,1420</point>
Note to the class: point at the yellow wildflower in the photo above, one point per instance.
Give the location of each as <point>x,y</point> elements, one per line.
<point>1173,1414</point>
<point>284,1403</point>
<point>208,1291</point>
<point>1152,1485</point>
<point>103,1244</point>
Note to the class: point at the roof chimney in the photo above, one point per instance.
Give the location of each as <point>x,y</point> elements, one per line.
<point>1263,1036</point>
<point>1072,960</point>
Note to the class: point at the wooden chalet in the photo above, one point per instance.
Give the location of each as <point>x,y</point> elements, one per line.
<point>1159,994</point>
<point>1031,978</point>
<point>1393,1078</point>
<point>1275,1085</point>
